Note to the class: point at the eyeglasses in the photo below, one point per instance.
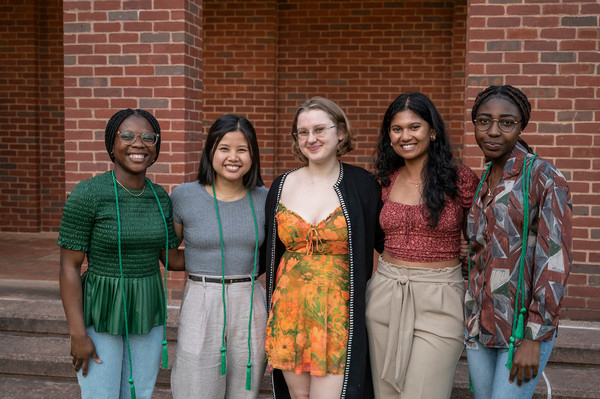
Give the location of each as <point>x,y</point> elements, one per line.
<point>128,138</point>
<point>318,132</point>
<point>484,123</point>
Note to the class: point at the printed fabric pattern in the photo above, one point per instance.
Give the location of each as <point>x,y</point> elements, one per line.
<point>308,326</point>
<point>495,230</point>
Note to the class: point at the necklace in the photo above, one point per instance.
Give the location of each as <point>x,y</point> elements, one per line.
<point>130,193</point>
<point>413,183</point>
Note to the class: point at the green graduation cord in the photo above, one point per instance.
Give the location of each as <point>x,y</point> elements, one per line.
<point>165,353</point>
<point>223,345</point>
<point>518,324</point>
<point>130,380</point>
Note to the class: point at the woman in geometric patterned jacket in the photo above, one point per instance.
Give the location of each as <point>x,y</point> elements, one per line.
<point>514,297</point>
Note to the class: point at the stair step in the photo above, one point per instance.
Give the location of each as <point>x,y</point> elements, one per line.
<point>46,388</point>
<point>34,351</point>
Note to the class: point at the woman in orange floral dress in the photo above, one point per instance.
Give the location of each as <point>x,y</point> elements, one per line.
<point>322,228</point>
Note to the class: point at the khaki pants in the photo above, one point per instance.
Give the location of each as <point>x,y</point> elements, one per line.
<point>197,368</point>
<point>416,333</point>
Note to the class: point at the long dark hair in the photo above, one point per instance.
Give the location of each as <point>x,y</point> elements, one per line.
<point>439,173</point>
<point>508,93</point>
<point>223,125</point>
<point>115,121</point>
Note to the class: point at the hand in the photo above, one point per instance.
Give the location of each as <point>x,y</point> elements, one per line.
<point>464,249</point>
<point>82,349</point>
<point>526,360</point>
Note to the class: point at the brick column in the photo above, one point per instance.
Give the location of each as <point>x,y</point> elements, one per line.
<point>136,54</point>
<point>551,51</point>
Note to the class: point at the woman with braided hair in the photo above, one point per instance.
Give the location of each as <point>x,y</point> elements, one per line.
<point>519,228</point>
<point>122,223</point>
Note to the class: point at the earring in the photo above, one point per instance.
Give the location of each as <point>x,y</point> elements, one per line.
<point>433,138</point>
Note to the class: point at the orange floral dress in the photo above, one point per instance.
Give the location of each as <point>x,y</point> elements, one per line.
<point>307,331</point>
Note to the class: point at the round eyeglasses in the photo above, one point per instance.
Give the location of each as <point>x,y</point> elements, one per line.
<point>318,132</point>
<point>128,138</point>
<point>506,125</point>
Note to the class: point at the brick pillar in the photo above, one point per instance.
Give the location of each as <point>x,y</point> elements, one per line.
<point>551,51</point>
<point>31,113</point>
<point>137,54</point>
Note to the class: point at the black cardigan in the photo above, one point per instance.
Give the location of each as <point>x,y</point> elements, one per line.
<point>360,197</point>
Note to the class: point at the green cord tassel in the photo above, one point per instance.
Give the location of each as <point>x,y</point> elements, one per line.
<point>519,332</point>
<point>470,384</point>
<point>511,350</point>
<point>132,388</point>
<point>223,360</point>
<point>248,375</point>
<point>165,355</point>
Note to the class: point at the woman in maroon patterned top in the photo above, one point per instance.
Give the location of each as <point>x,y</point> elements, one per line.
<point>415,298</point>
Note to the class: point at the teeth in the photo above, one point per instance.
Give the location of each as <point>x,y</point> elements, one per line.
<point>409,146</point>
<point>137,156</point>
<point>232,168</point>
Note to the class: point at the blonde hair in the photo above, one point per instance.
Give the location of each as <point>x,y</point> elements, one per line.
<point>337,116</point>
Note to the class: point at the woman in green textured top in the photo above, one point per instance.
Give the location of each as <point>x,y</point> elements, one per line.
<point>123,223</point>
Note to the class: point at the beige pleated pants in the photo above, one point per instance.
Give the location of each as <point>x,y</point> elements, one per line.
<point>415,325</point>
<point>197,367</point>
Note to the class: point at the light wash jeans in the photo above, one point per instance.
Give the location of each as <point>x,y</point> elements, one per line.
<point>110,379</point>
<point>489,375</point>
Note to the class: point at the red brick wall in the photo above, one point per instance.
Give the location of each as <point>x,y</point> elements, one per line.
<point>31,115</point>
<point>551,50</point>
<point>262,58</point>
<point>240,50</point>
<point>363,54</point>
<point>137,54</point>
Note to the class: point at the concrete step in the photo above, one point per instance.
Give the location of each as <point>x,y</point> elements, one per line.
<point>47,388</point>
<point>34,350</point>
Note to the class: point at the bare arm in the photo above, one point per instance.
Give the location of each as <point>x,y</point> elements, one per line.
<point>82,347</point>
<point>176,255</point>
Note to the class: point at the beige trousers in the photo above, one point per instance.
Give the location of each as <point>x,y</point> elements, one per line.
<point>415,326</point>
<point>197,367</point>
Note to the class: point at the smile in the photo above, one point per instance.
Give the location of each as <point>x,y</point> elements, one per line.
<point>232,168</point>
<point>137,157</point>
<point>408,146</point>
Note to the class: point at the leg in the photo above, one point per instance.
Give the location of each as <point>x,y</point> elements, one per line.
<point>238,295</point>
<point>378,298</point>
<point>326,387</point>
<point>103,380</point>
<point>298,384</point>
<point>146,353</point>
<point>197,366</point>
<point>437,338</point>
<point>482,367</point>
<point>502,389</point>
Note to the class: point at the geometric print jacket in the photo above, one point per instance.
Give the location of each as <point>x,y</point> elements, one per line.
<point>495,230</point>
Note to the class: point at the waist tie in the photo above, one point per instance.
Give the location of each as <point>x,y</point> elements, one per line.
<point>402,314</point>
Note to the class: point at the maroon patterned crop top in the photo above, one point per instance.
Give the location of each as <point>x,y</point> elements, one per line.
<point>407,234</point>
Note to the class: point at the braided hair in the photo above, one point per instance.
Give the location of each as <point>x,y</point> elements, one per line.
<point>439,173</point>
<point>115,121</point>
<point>511,94</point>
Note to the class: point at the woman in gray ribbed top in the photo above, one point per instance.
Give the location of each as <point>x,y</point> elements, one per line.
<point>220,345</point>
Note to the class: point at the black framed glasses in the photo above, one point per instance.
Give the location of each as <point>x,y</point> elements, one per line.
<point>148,138</point>
<point>318,132</point>
<point>484,123</point>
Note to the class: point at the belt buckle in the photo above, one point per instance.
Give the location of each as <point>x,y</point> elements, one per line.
<point>228,281</point>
